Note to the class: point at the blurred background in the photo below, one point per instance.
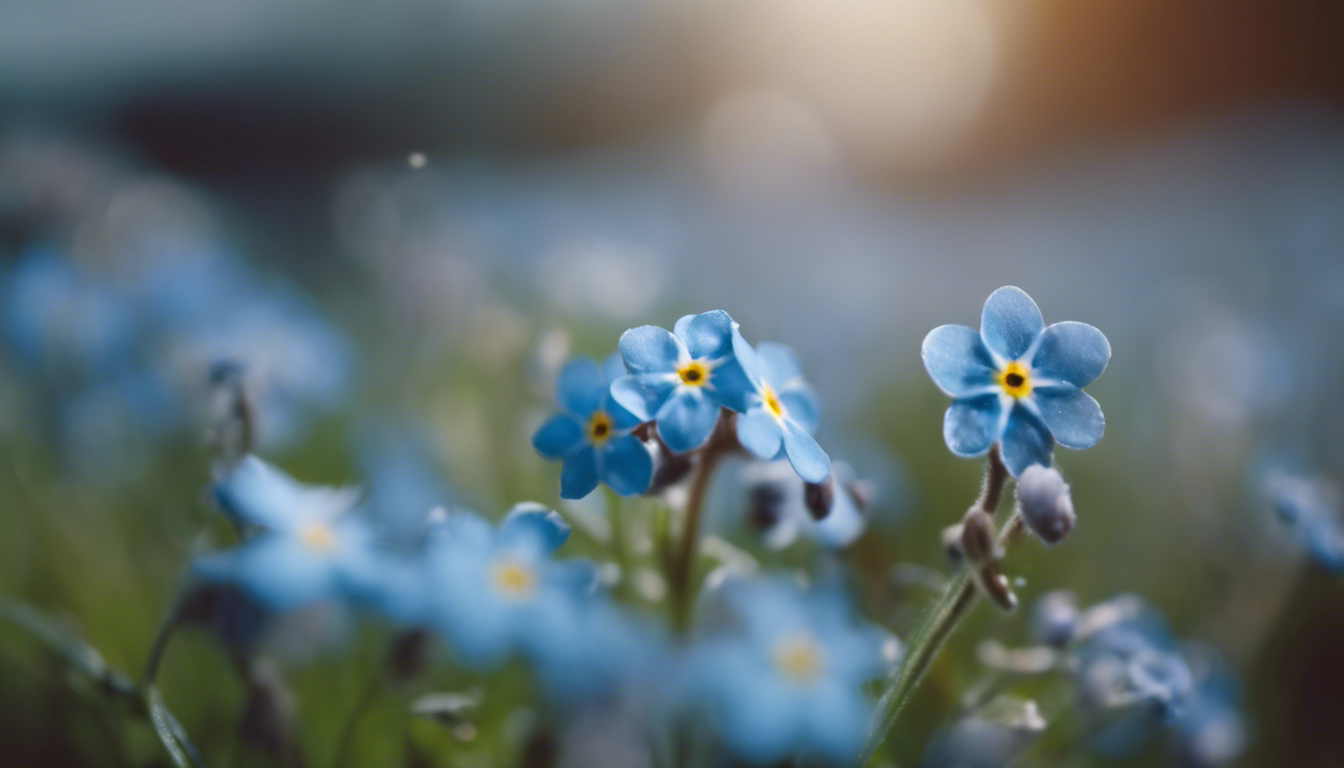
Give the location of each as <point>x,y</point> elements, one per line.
<point>408,213</point>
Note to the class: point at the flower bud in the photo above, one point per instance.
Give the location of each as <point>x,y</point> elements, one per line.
<point>977,536</point>
<point>952,543</point>
<point>820,497</point>
<point>668,469</point>
<point>1054,618</point>
<point>1046,505</point>
<point>765,506</point>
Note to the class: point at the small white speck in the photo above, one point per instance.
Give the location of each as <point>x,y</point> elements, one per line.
<point>417,160</point>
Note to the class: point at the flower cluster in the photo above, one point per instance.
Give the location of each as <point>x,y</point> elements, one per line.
<point>664,392</point>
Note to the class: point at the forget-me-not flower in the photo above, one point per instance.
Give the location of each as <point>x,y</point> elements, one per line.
<point>592,433</point>
<point>307,546</point>
<point>789,677</point>
<point>1017,382</point>
<point>779,411</point>
<point>680,378</point>
<point>496,590</point>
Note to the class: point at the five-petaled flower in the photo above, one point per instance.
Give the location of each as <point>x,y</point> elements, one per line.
<point>307,546</point>
<point>495,590</point>
<point>789,676</point>
<point>680,379</point>
<point>1017,382</point>
<point>779,412</point>
<point>592,433</point>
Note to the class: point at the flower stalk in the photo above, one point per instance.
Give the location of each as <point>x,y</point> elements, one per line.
<point>945,615</point>
<point>681,567</point>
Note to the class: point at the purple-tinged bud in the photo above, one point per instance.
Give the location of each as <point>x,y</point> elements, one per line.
<point>820,497</point>
<point>668,469</point>
<point>1046,505</point>
<point>1054,618</point>
<point>765,506</point>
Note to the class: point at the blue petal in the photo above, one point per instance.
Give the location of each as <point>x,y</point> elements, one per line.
<point>275,569</point>
<point>686,420</point>
<point>578,476</point>
<point>649,349</point>
<point>759,433</point>
<point>627,465</point>
<point>621,417</point>
<point>1072,352</point>
<point>1026,441</point>
<point>730,385</point>
<point>581,386</point>
<point>957,361</point>
<point>1072,415</point>
<point>260,494</point>
<point>779,364</point>
<point>972,424</point>
<point>642,396</point>
<point>708,336</point>
<point>808,459</point>
<point>560,435</point>
<point>801,405</point>
<point>614,367</point>
<point>747,359</point>
<point>1010,323</point>
<point>838,720</point>
<point>529,518</point>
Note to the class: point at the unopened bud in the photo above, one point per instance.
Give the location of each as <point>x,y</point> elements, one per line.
<point>994,585</point>
<point>1054,618</point>
<point>820,497</point>
<point>977,536</point>
<point>765,506</point>
<point>952,543</point>
<point>1046,505</point>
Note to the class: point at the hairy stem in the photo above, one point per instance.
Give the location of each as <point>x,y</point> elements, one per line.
<point>942,619</point>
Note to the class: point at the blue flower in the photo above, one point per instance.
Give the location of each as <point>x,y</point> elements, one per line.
<point>1017,382</point>
<point>1311,508</point>
<point>779,412</point>
<point>307,546</point>
<point>680,379</point>
<point>495,591</point>
<point>597,649</point>
<point>788,677</point>
<point>592,433</point>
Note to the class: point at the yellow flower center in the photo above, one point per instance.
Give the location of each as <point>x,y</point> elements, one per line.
<point>513,578</point>
<point>798,658</point>
<point>694,374</point>
<point>1015,379</point>
<point>317,537</point>
<point>772,402</point>
<point>599,427</point>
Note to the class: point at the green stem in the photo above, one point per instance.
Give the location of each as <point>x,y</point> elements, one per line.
<point>143,700</point>
<point>167,625</point>
<point>941,621</point>
<point>682,566</point>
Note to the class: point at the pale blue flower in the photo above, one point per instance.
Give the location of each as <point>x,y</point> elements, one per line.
<point>680,379</point>
<point>592,434</point>
<point>1311,508</point>
<point>494,591</point>
<point>1017,382</point>
<point>306,546</point>
<point>787,676</point>
<point>779,411</point>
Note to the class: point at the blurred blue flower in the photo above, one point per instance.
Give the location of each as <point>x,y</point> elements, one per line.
<point>1211,731</point>
<point>779,412</point>
<point>306,547</point>
<point>1311,508</point>
<point>597,649</point>
<point>402,482</point>
<point>63,320</point>
<point>592,433</point>
<point>680,379</point>
<point>496,590</point>
<point>787,677</point>
<point>1017,382</point>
